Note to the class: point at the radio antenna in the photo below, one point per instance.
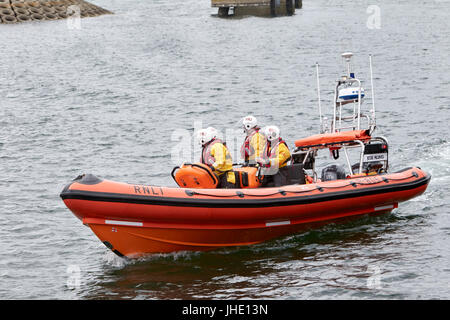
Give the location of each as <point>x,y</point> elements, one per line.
<point>318,94</point>
<point>373,95</point>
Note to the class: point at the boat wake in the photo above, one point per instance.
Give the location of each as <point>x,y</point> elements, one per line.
<point>436,157</point>
<point>112,260</point>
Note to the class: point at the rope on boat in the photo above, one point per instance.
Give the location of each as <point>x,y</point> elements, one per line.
<point>284,192</point>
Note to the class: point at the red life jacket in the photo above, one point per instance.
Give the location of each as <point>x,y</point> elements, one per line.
<point>246,149</point>
<point>206,157</point>
<point>272,152</point>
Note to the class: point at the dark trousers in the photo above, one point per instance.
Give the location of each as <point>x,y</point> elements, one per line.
<point>223,182</point>
<point>281,178</point>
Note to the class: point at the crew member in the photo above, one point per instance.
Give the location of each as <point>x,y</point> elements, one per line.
<point>274,159</point>
<point>216,155</point>
<point>254,142</point>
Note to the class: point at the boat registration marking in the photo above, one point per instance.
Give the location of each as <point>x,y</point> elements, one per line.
<point>375,157</point>
<point>277,223</point>
<point>391,206</point>
<point>125,223</point>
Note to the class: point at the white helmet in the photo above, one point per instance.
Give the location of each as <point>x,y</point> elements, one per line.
<point>213,132</point>
<point>249,122</point>
<point>272,133</point>
<point>206,135</point>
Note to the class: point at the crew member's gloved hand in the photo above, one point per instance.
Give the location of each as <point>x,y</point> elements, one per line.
<point>262,162</point>
<point>214,166</point>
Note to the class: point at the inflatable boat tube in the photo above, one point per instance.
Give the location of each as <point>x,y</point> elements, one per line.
<point>328,138</point>
<point>133,220</point>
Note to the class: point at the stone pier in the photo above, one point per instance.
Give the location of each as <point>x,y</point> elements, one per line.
<point>14,11</point>
<point>263,8</point>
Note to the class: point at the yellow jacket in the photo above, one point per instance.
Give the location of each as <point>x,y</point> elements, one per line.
<point>216,154</point>
<point>257,143</point>
<point>279,155</point>
<point>222,158</point>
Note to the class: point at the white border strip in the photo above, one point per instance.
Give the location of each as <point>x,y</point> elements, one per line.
<point>124,223</point>
<point>391,206</point>
<point>278,223</point>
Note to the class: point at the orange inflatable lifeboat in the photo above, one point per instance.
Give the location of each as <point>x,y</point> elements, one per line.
<point>133,220</point>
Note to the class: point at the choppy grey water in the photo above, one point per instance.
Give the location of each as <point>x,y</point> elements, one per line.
<point>106,99</point>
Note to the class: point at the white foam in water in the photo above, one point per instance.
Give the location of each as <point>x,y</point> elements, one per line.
<point>179,255</point>
<point>437,163</point>
<point>113,260</point>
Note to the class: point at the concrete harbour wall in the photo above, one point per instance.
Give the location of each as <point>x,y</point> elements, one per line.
<point>14,11</point>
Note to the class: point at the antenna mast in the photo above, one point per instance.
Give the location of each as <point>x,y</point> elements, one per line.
<point>373,94</point>
<point>318,94</point>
